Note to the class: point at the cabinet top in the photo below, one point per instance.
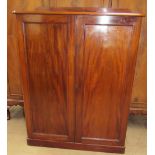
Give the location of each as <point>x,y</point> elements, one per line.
<point>80,11</point>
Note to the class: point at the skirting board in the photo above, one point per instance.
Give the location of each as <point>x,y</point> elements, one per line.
<point>76,146</point>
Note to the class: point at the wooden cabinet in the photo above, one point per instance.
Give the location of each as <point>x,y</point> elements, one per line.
<point>77,68</point>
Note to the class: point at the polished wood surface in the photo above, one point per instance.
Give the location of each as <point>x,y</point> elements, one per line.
<point>77,75</point>
<point>46,61</point>
<point>139,99</point>
<point>103,62</point>
<point>15,95</point>
<point>80,11</point>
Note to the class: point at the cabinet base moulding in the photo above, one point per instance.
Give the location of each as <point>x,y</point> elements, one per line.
<point>76,146</point>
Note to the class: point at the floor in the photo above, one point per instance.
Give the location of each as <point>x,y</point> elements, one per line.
<point>135,141</point>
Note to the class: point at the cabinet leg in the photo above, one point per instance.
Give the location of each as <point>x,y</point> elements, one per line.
<point>8,114</point>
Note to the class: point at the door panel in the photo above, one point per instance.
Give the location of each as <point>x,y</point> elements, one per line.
<point>47,72</point>
<point>47,50</point>
<point>102,63</point>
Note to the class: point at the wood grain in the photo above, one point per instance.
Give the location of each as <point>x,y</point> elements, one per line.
<point>46,76</point>
<point>139,98</point>
<point>77,95</point>
<point>102,60</point>
<point>77,76</point>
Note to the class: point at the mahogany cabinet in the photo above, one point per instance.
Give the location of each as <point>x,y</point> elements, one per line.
<point>77,67</point>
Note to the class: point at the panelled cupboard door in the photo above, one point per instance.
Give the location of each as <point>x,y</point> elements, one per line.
<point>104,71</point>
<point>46,56</point>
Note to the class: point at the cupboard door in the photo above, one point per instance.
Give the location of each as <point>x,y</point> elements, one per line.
<point>46,56</point>
<point>104,69</point>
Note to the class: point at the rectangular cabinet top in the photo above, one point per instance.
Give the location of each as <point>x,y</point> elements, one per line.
<point>80,11</point>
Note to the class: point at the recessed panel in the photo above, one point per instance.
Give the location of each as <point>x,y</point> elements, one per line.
<point>46,52</point>
<point>101,78</point>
